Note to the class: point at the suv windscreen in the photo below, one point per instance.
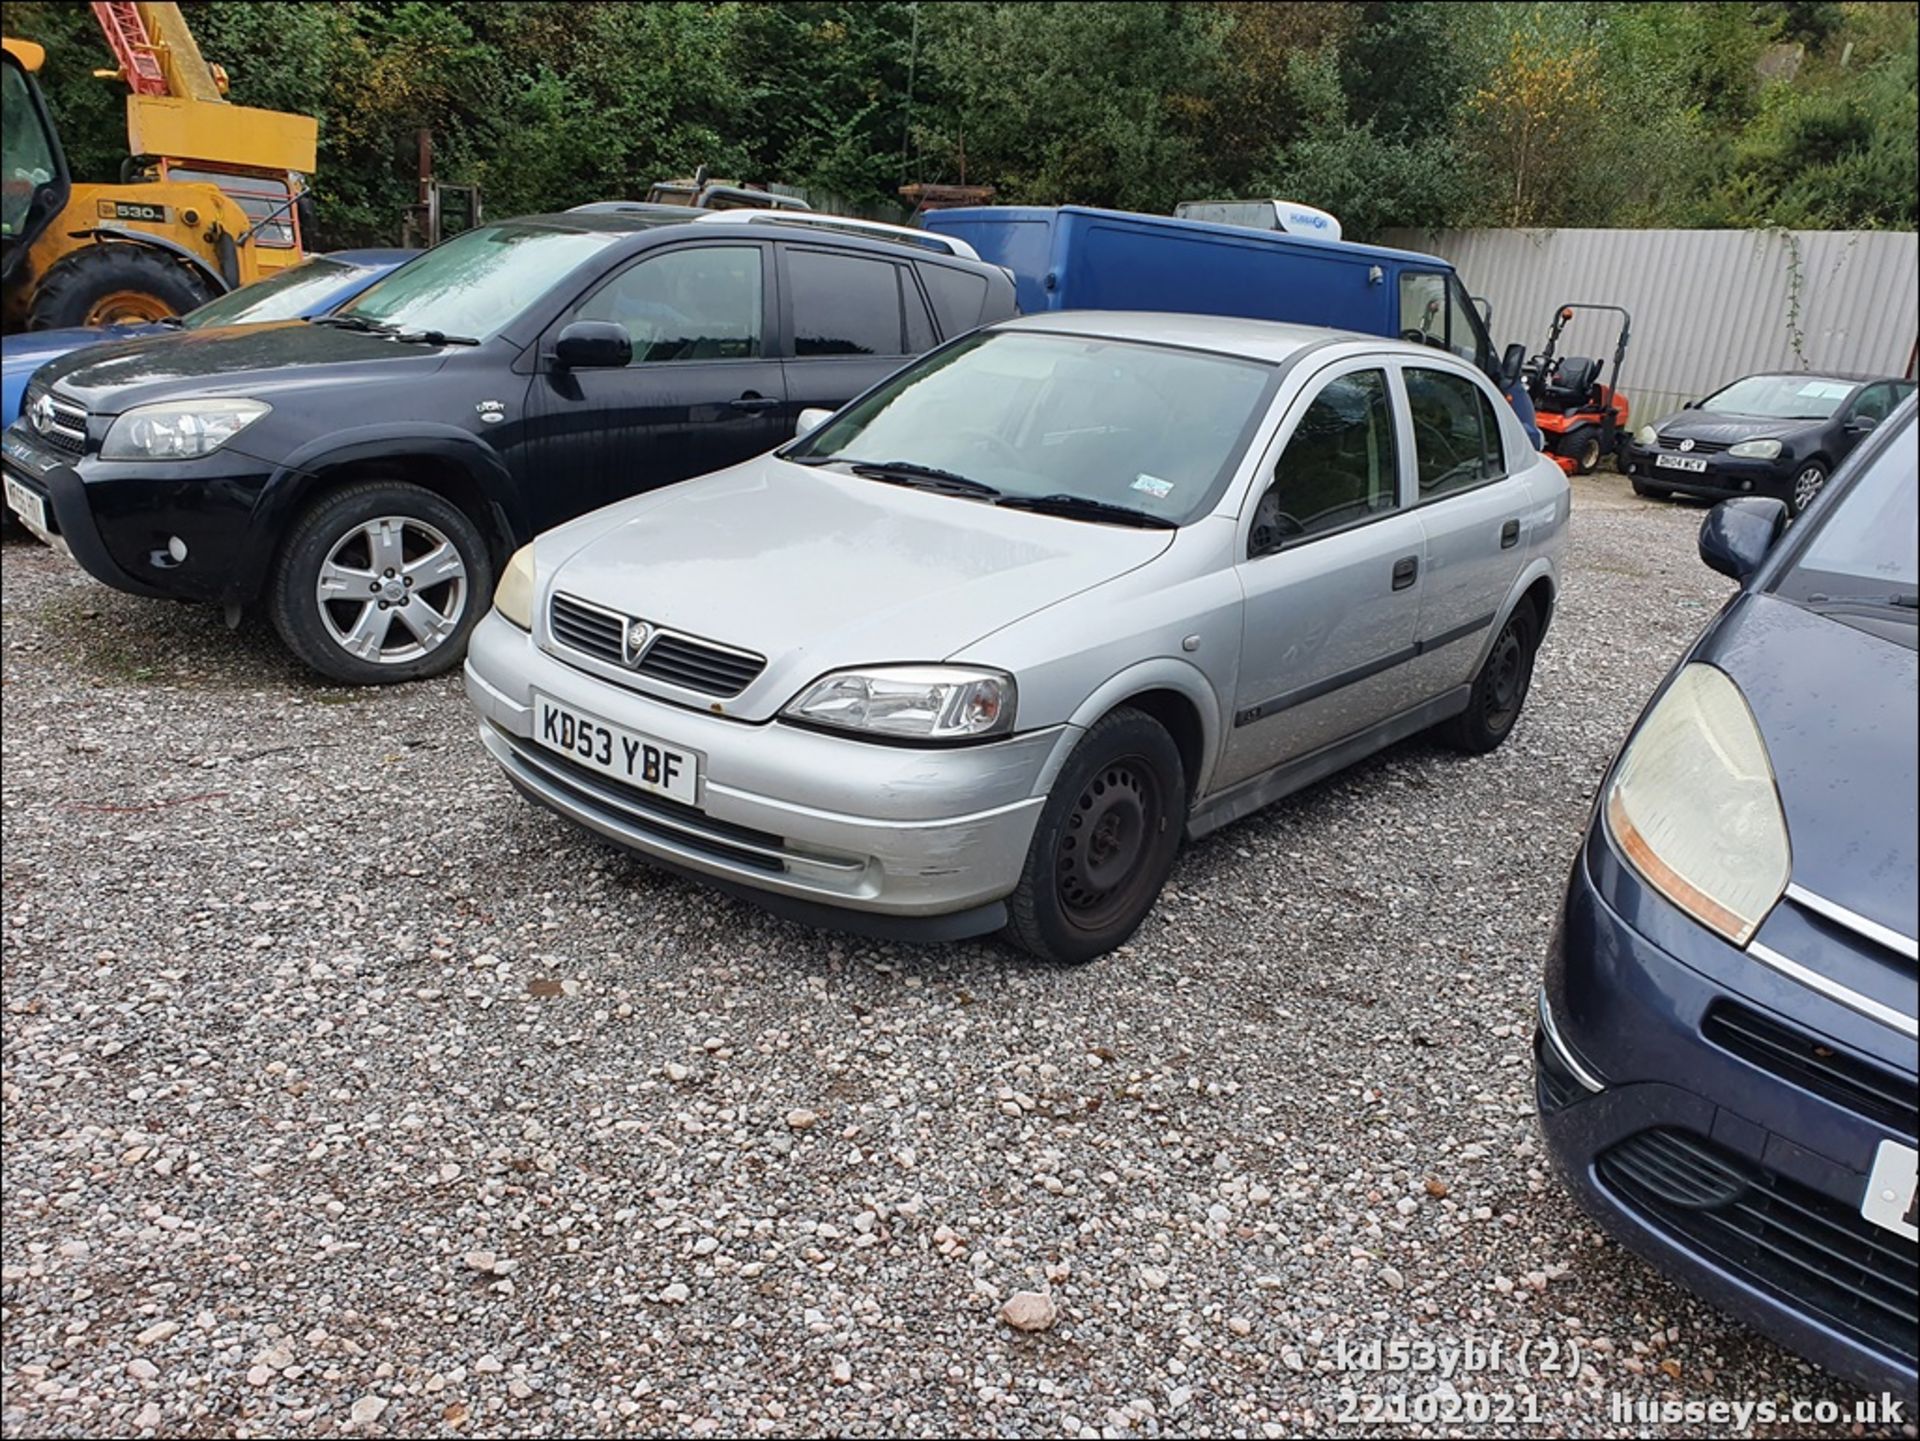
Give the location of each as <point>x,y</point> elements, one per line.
<point>1862,557</point>
<point>1113,422</point>
<point>477,282</point>
<point>285,296</point>
<point>1780,397</point>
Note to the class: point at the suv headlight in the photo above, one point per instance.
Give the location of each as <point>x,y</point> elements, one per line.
<point>178,429</point>
<point>911,702</point>
<point>513,597</point>
<point>1694,808</point>
<point>1647,435</point>
<point>1756,450</point>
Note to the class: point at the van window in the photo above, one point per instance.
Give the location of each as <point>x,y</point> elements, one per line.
<point>1338,466</point>
<point>1456,437</point>
<point>1435,310</point>
<point>844,304</point>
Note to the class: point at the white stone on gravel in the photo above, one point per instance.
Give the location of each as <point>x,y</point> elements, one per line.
<point>367,1410</point>
<point>1030,1311</point>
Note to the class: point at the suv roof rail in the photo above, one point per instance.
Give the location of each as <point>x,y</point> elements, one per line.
<point>879,229</point>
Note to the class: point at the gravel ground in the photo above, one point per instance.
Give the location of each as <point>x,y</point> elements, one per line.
<point>346,1092</point>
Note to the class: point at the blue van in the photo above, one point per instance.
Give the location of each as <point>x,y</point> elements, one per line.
<point>1071,257</point>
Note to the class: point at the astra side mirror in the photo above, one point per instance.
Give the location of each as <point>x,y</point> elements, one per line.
<point>593,345</point>
<point>1737,534</point>
<point>1511,364</point>
<point>811,419</point>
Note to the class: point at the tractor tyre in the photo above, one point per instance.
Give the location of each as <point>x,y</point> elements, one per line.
<point>1584,449</point>
<point>115,283</point>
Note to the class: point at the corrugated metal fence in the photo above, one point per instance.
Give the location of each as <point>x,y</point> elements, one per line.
<point>1708,305</point>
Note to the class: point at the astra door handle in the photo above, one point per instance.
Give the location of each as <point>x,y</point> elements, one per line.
<point>1510,535</point>
<point>752,400</point>
<point>1405,571</point>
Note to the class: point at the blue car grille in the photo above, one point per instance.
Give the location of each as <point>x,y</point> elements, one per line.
<point>1813,1065</point>
<point>1816,1254</point>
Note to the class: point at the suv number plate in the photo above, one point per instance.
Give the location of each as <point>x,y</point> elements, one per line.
<point>627,756</point>
<point>29,507</point>
<point>1890,1200</point>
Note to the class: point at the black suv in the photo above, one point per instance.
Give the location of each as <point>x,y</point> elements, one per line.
<point>367,473</point>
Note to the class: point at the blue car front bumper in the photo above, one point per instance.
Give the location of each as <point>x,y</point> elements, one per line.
<point>1723,1136</point>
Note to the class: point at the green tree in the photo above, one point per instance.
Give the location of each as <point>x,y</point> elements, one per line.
<point>1101,103</point>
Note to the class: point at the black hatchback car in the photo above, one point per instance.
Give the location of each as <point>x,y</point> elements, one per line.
<point>1776,435</point>
<point>366,474</point>
<point>1726,1047</point>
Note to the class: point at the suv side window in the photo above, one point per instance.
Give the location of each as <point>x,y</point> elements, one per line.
<point>1456,436</point>
<point>920,333</point>
<point>698,303</point>
<point>1338,467</point>
<point>958,297</point>
<point>845,304</point>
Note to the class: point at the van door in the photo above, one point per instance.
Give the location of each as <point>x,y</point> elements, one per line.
<point>702,392</point>
<point>1476,506</point>
<point>1332,576</point>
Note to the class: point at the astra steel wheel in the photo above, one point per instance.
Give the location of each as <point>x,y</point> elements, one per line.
<point>1105,842</point>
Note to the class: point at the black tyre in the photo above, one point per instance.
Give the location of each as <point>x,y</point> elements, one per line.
<point>1807,482</point>
<point>1500,690</point>
<point>115,283</point>
<point>1652,492</point>
<point>1583,448</point>
<point>381,582</point>
<point>1105,843</point>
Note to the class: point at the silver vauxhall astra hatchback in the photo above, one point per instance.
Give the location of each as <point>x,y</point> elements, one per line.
<point>975,652</point>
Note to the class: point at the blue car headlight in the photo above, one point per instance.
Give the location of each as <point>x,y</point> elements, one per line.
<point>1695,810</point>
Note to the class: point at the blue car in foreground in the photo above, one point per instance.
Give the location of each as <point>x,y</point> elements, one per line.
<point>1725,1058</point>
<point>313,287</point>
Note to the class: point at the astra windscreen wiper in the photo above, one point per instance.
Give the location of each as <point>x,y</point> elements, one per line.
<point>923,477</point>
<point>1892,600</point>
<point>1079,507</point>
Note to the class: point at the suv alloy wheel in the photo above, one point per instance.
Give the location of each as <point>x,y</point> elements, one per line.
<point>381,582</point>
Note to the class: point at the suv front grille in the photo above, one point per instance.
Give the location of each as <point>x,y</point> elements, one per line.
<point>1808,1249</point>
<point>681,660</point>
<point>67,433</point>
<point>1812,1065</point>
